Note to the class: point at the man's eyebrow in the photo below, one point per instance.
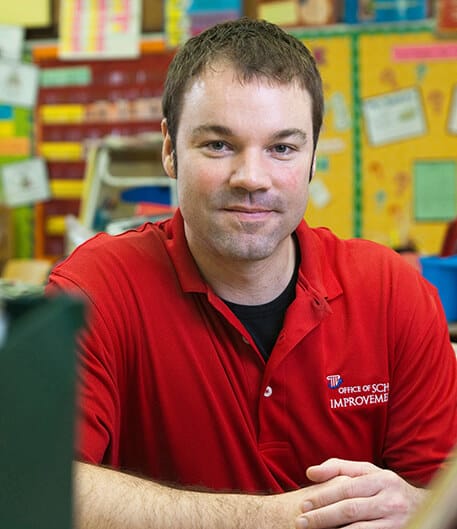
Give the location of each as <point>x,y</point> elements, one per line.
<point>219,130</point>
<point>287,133</point>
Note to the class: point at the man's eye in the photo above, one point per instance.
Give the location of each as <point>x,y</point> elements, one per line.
<point>216,145</point>
<point>282,149</point>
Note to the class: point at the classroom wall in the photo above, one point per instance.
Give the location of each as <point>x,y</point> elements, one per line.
<point>386,165</point>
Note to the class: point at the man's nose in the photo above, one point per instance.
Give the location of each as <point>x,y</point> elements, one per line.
<point>250,171</point>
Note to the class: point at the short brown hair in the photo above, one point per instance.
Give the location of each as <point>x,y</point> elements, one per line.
<point>256,49</point>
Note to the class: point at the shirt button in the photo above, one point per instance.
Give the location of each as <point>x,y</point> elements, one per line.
<point>268,391</point>
<point>245,340</point>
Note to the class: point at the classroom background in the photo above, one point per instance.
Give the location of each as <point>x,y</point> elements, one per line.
<point>80,110</point>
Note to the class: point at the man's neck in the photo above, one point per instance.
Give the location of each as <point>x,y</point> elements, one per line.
<point>249,282</point>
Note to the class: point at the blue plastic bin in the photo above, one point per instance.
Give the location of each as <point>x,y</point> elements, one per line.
<point>442,272</point>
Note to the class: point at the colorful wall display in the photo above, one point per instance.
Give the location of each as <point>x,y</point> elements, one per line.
<point>184,18</point>
<point>409,140</point>
<point>81,103</point>
<point>99,28</point>
<point>387,162</point>
<point>15,146</point>
<point>18,89</point>
<point>289,13</point>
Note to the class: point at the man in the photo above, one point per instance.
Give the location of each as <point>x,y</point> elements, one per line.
<point>258,373</point>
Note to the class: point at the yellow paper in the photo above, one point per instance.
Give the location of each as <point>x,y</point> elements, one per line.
<point>55,225</point>
<point>283,13</point>
<point>62,113</point>
<point>7,129</point>
<point>66,188</point>
<point>28,13</point>
<point>65,150</point>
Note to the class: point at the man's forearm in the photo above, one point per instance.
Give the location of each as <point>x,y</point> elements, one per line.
<point>106,499</point>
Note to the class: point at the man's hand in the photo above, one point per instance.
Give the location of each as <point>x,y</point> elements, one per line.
<point>359,495</point>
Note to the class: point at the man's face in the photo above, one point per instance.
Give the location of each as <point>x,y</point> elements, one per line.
<point>244,152</point>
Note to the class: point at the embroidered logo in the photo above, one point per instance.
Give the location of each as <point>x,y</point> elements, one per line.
<point>357,395</point>
<point>334,381</point>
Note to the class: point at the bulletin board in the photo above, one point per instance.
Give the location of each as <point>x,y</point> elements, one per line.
<point>408,98</point>
<point>331,201</point>
<point>386,159</point>
<point>387,163</point>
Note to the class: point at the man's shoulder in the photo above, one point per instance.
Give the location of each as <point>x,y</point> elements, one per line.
<point>104,253</point>
<point>103,244</point>
<point>351,248</point>
<point>357,262</point>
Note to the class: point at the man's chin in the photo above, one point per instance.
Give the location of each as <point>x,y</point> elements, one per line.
<point>252,249</point>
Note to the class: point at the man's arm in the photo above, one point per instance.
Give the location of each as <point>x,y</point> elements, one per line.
<point>346,493</point>
<point>107,499</point>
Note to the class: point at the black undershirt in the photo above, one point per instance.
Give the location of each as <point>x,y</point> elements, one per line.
<point>264,322</point>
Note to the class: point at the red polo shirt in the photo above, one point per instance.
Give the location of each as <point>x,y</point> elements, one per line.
<point>173,387</point>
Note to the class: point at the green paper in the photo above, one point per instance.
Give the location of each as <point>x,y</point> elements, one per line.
<point>435,185</point>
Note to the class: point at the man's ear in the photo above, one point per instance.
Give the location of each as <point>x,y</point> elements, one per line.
<point>167,151</point>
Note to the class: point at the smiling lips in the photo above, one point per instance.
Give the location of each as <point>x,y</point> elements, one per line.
<point>248,214</point>
<point>242,209</point>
